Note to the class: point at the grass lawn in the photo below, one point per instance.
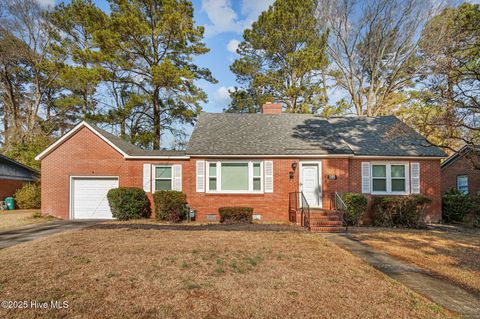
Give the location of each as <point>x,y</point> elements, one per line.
<point>451,255</point>
<point>20,217</point>
<point>139,273</point>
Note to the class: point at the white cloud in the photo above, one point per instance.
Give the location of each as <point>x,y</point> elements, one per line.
<point>232,45</point>
<point>223,17</point>
<point>251,9</point>
<point>222,96</point>
<point>46,3</point>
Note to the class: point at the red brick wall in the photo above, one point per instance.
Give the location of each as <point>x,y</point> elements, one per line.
<point>272,206</point>
<point>8,187</point>
<point>85,154</point>
<point>430,184</point>
<point>462,166</point>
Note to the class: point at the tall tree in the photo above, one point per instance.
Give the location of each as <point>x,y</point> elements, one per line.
<point>450,48</point>
<point>373,46</point>
<point>28,68</point>
<point>282,58</point>
<point>155,41</point>
<point>75,24</point>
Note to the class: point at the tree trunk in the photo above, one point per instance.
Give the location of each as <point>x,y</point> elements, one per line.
<point>156,120</point>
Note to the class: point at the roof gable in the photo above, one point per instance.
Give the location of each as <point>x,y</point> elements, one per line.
<point>125,148</point>
<point>464,150</point>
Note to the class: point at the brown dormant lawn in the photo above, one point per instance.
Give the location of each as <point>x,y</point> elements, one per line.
<point>19,218</point>
<point>451,255</point>
<point>138,273</point>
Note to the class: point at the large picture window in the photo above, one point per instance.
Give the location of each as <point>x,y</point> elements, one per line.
<point>162,178</point>
<point>389,178</point>
<point>235,177</point>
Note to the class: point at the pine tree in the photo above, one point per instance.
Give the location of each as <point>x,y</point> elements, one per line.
<point>282,58</point>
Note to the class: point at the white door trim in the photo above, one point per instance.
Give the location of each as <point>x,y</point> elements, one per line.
<point>320,186</point>
<point>70,202</point>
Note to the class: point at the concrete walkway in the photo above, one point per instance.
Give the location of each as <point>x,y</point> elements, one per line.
<point>440,291</point>
<point>16,236</point>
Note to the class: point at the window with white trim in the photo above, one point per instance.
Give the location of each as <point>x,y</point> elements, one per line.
<point>389,178</point>
<point>162,177</point>
<point>235,176</point>
<point>462,184</point>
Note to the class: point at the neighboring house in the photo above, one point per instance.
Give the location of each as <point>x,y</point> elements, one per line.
<point>254,160</point>
<point>459,172</point>
<point>13,175</point>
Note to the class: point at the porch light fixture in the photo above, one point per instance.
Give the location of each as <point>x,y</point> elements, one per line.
<point>294,166</point>
<point>291,174</point>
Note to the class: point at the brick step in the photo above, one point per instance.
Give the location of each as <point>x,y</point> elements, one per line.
<point>328,229</point>
<point>316,223</point>
<point>326,218</point>
<point>324,213</point>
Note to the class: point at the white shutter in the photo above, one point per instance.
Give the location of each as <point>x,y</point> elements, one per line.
<point>268,176</point>
<point>177,177</point>
<point>200,176</point>
<point>366,177</point>
<point>415,177</point>
<point>146,177</point>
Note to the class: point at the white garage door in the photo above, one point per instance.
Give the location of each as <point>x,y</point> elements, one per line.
<point>89,197</point>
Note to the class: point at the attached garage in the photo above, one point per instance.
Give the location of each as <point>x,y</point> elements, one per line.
<point>89,197</point>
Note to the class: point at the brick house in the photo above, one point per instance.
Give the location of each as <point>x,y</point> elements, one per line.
<point>256,160</point>
<point>459,172</point>
<point>13,175</point>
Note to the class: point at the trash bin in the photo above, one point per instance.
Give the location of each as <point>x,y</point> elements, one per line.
<point>10,203</point>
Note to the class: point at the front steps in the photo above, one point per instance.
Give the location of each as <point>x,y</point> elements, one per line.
<point>326,221</point>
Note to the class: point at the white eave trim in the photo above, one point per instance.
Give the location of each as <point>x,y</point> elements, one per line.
<point>270,156</point>
<point>400,157</point>
<point>319,156</point>
<point>153,157</point>
<point>71,133</point>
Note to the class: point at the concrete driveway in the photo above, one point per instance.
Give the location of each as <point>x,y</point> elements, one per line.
<point>16,236</point>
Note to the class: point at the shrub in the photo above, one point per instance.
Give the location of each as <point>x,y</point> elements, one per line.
<point>356,207</point>
<point>455,205</point>
<point>28,196</point>
<point>402,211</point>
<point>235,214</point>
<point>170,206</point>
<point>128,203</point>
<point>475,211</point>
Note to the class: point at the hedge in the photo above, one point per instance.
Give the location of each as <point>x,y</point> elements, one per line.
<point>128,203</point>
<point>28,197</point>
<point>170,205</point>
<point>356,207</point>
<point>402,211</point>
<point>455,206</point>
<point>235,214</point>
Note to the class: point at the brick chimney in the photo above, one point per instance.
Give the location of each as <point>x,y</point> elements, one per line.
<point>271,108</point>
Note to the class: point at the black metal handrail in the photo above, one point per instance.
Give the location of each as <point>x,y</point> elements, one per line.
<point>304,208</point>
<point>337,204</point>
<point>306,220</point>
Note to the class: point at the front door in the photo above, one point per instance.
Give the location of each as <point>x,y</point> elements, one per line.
<point>310,185</point>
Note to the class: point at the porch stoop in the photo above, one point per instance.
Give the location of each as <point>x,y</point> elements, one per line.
<point>326,221</point>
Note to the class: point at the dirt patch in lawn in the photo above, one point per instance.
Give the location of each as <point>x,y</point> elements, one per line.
<point>137,273</point>
<point>451,255</point>
<point>20,217</point>
<point>200,226</point>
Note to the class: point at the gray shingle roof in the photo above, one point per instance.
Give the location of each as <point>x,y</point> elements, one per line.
<point>134,150</point>
<point>302,134</point>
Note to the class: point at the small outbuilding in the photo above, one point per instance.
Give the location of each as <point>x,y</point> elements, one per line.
<point>13,175</point>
